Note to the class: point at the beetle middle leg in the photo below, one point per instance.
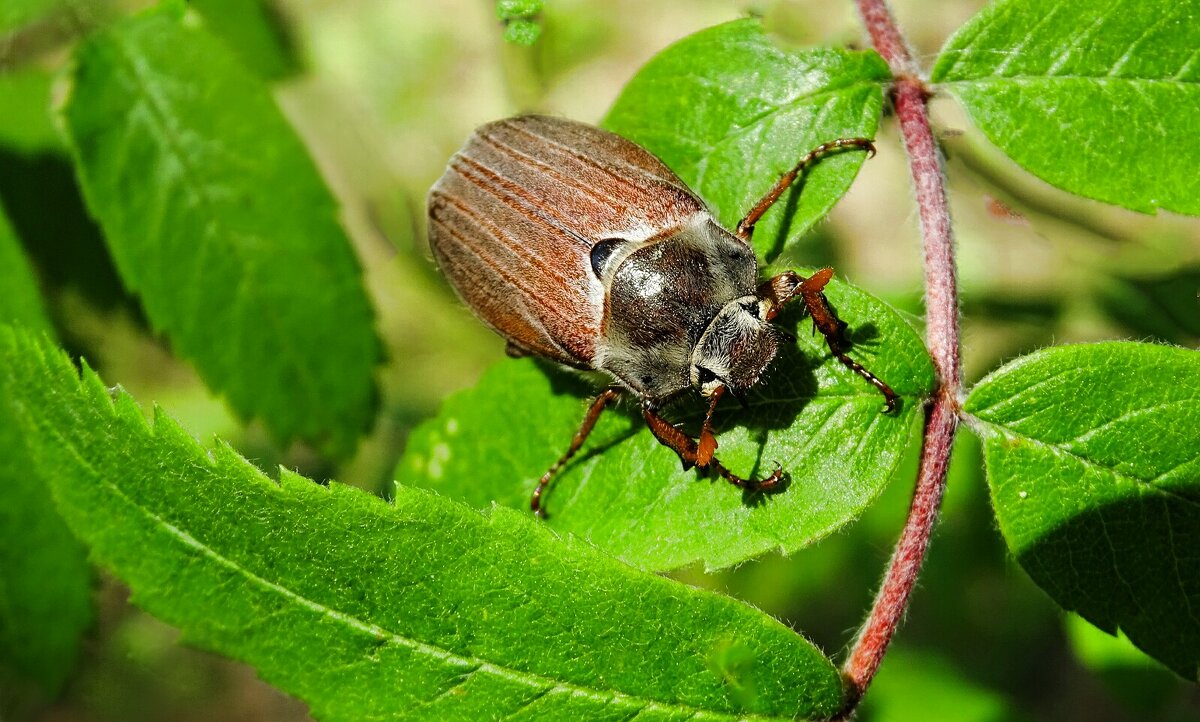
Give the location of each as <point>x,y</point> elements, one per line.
<point>788,285</point>
<point>690,454</point>
<point>589,422</point>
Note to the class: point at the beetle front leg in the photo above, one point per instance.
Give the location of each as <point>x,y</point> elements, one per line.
<point>600,403</point>
<point>788,285</point>
<point>690,454</point>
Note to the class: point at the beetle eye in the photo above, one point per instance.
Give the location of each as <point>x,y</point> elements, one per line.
<point>751,307</point>
<point>705,376</point>
<point>602,252</point>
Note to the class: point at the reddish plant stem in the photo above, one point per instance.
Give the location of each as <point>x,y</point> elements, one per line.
<point>886,37</point>
<point>909,96</point>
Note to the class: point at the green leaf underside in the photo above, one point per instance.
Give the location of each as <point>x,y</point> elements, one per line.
<point>45,582</point>
<point>218,219</point>
<point>419,609</point>
<point>1095,97</point>
<point>627,494</point>
<point>730,112</point>
<point>1093,458</point>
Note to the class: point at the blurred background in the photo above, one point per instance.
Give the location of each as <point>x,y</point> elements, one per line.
<point>383,91</point>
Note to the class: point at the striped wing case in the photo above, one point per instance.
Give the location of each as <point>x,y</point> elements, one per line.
<point>514,218</point>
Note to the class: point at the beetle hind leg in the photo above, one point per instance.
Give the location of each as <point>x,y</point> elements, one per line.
<point>600,403</point>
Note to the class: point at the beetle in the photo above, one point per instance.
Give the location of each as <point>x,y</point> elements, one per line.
<point>579,246</point>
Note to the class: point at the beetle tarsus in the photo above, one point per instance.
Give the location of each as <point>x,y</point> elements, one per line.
<point>597,407</point>
<point>753,485</point>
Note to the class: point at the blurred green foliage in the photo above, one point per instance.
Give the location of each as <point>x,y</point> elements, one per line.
<point>383,92</point>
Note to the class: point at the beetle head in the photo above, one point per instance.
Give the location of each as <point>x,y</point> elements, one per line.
<point>735,348</point>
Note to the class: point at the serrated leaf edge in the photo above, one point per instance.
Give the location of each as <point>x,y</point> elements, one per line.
<point>121,404</point>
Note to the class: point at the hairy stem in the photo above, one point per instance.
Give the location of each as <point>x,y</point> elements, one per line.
<point>909,96</point>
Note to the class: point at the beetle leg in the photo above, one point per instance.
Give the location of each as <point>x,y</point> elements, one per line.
<point>589,422</point>
<point>707,446</point>
<point>788,285</point>
<point>689,452</point>
<point>745,227</point>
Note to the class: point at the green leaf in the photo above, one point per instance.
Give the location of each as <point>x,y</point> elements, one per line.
<point>730,112</point>
<point>218,219</point>
<point>1093,458</point>
<point>1095,97</point>
<point>1143,685</point>
<point>20,299</point>
<point>1100,650</point>
<point>45,583</point>
<point>627,494</point>
<point>45,580</point>
<point>253,30</point>
<point>417,609</point>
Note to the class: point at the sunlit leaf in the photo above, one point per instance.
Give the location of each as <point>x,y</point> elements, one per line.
<point>1096,97</point>
<point>218,219</point>
<point>730,112</point>
<point>421,608</point>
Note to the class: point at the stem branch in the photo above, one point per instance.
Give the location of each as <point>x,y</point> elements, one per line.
<point>909,96</point>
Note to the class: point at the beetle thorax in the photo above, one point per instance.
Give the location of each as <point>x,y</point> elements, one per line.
<point>663,298</point>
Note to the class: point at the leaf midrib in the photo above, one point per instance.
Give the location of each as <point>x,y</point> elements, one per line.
<point>699,166</point>
<point>987,429</point>
<point>194,184</point>
<point>542,684</point>
<point>1026,79</point>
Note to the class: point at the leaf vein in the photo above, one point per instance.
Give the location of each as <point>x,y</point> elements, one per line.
<point>989,429</point>
<point>173,145</point>
<point>529,679</point>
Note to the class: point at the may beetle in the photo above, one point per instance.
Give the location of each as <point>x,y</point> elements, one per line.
<point>579,246</point>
